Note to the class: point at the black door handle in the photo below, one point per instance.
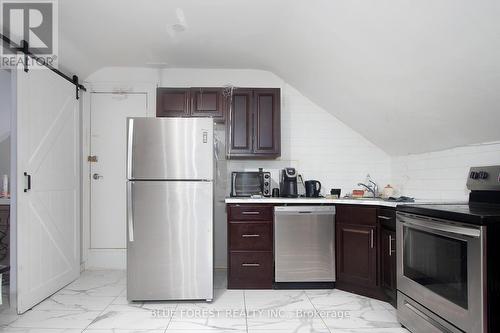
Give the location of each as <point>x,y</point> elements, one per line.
<point>29,182</point>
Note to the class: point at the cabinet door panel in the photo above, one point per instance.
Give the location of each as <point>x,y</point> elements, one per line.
<point>207,102</point>
<point>172,102</point>
<point>356,255</point>
<point>267,122</point>
<point>388,263</point>
<point>239,131</point>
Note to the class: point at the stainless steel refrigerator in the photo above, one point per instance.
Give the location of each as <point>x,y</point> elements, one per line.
<point>169,209</point>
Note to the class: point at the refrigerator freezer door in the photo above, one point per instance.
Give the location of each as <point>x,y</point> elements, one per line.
<point>170,240</point>
<point>170,148</point>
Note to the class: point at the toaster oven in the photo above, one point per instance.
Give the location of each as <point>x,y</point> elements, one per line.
<point>248,183</point>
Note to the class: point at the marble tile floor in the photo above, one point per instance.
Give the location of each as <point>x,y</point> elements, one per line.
<point>96,303</point>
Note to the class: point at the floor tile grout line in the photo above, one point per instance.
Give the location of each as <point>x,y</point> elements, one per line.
<point>107,306</point>
<point>317,311</point>
<point>246,313</point>
<point>171,317</point>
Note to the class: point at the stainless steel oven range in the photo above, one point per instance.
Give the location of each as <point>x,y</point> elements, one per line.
<point>447,278</point>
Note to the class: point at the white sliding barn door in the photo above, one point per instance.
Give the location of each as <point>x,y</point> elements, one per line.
<point>48,244</point>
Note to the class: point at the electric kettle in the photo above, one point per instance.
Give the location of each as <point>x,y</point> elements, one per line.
<point>313,188</point>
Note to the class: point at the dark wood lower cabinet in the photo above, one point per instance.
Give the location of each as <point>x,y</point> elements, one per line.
<point>4,235</point>
<point>387,255</point>
<point>357,259</point>
<point>365,249</point>
<point>250,246</point>
<point>364,265</point>
<point>250,270</point>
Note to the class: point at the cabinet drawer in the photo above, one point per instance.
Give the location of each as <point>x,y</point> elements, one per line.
<point>250,270</point>
<point>387,218</point>
<point>250,213</point>
<point>356,215</point>
<point>251,236</point>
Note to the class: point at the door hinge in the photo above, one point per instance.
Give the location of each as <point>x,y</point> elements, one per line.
<point>92,159</point>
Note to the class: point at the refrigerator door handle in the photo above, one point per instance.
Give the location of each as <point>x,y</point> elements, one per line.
<point>130,144</point>
<point>130,212</point>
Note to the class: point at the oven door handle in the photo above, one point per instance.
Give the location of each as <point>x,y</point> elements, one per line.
<point>428,224</point>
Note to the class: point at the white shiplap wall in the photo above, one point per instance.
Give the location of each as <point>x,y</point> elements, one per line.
<point>441,175</point>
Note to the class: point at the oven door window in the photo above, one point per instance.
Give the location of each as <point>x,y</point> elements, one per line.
<point>438,263</point>
<point>247,184</point>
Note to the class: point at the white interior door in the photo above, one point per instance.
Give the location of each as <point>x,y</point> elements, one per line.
<point>109,114</point>
<point>48,214</point>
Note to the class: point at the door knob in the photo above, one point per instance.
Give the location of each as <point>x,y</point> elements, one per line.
<point>97,176</point>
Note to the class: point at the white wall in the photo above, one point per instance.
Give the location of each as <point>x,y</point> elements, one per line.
<point>5,120</point>
<point>319,145</point>
<point>441,175</point>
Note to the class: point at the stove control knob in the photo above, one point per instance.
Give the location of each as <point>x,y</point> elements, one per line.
<point>474,175</point>
<point>266,184</point>
<point>483,175</point>
<point>266,176</point>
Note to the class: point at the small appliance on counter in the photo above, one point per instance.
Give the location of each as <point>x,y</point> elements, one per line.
<point>249,183</point>
<point>335,193</point>
<point>313,188</point>
<point>288,183</point>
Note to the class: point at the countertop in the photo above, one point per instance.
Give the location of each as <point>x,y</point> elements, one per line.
<point>365,201</point>
<point>4,201</point>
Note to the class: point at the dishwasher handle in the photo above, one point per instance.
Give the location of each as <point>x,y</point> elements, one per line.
<point>304,210</point>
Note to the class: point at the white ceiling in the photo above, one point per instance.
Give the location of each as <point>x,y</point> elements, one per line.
<point>411,76</point>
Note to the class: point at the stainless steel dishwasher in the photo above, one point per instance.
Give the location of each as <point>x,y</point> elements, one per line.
<point>304,243</point>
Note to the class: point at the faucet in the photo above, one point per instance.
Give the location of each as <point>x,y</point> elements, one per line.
<point>372,187</point>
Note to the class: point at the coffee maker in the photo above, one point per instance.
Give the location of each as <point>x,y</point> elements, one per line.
<point>288,183</point>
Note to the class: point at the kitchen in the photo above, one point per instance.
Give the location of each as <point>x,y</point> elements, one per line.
<point>319,127</point>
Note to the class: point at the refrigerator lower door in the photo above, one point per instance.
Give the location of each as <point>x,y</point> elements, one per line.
<point>169,240</point>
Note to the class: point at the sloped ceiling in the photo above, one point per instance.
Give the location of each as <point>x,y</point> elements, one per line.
<point>411,76</point>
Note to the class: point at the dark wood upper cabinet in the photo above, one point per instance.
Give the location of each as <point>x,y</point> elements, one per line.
<point>172,102</point>
<point>239,125</point>
<point>267,122</point>
<point>207,102</point>
<point>254,125</point>
<point>190,102</point>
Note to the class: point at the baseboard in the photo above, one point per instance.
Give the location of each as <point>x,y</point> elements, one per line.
<point>107,259</point>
